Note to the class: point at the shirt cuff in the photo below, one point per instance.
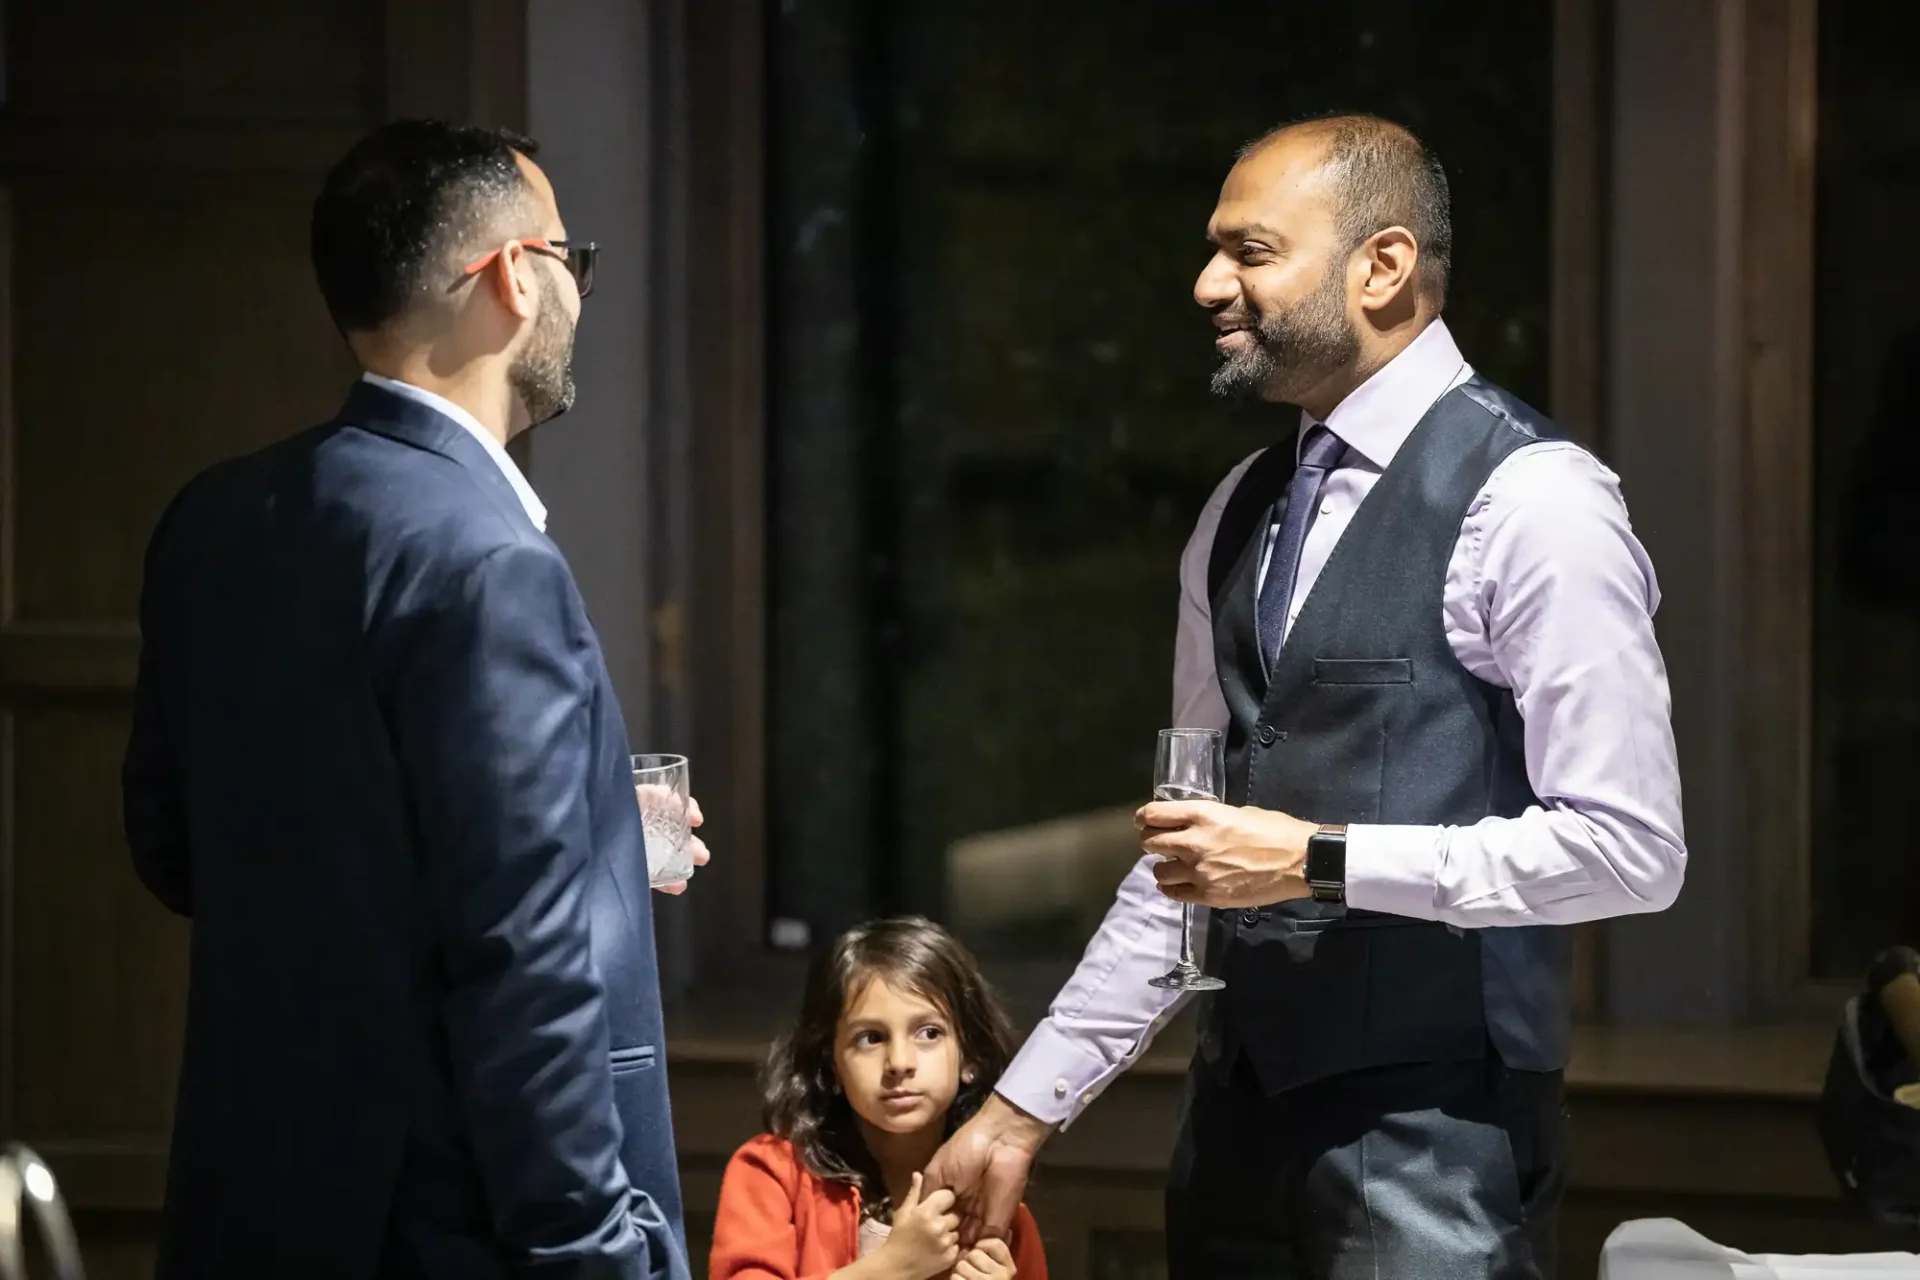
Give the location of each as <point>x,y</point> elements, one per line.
<point>1395,869</point>
<point>1052,1078</point>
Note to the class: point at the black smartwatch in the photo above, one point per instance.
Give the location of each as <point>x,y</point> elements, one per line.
<point>1327,864</point>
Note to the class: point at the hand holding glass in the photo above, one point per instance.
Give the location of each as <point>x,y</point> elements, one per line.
<point>660,784</point>
<point>1189,764</point>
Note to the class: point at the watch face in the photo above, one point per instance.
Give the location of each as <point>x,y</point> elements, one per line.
<point>1327,866</point>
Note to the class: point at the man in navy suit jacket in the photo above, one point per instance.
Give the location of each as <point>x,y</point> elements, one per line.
<point>377,760</point>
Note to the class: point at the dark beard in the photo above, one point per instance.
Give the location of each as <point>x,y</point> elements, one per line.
<point>542,374</point>
<point>1295,349</point>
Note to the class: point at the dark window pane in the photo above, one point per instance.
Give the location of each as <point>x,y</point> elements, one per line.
<point>1866,846</point>
<point>992,431</point>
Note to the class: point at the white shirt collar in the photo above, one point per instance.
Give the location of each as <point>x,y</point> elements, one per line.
<point>1377,416</point>
<point>536,510</point>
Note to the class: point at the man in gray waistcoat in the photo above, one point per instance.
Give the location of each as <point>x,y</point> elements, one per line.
<point>1426,628</point>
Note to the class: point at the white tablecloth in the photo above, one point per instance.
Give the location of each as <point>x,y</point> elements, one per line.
<point>1663,1249</point>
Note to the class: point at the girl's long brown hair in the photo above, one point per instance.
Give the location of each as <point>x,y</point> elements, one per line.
<point>802,1100</point>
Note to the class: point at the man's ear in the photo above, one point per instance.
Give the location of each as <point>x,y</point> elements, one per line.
<point>1392,260</point>
<point>511,279</point>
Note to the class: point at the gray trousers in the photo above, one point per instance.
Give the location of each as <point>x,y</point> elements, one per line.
<point>1426,1171</point>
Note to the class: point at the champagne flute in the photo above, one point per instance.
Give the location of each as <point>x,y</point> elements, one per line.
<point>1188,764</point>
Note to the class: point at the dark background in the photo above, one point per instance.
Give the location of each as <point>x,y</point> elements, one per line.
<point>991,430</point>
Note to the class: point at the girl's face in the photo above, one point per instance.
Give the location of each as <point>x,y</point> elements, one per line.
<point>897,1058</point>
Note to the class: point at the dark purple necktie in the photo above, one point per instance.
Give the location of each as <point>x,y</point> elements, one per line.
<point>1321,450</point>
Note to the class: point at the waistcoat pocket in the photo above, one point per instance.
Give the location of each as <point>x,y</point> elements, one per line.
<point>1363,671</point>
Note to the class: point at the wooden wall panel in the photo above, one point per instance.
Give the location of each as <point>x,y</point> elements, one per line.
<point>224,60</point>
<point>157,168</point>
<point>118,1245</point>
<point>722,627</point>
<point>1778,457</point>
<point>100,998</point>
<point>188,329</point>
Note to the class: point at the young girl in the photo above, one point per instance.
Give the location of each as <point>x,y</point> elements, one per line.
<point>899,1041</point>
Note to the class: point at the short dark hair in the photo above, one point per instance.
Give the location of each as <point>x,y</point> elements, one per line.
<point>803,1102</point>
<point>405,197</point>
<point>1383,177</point>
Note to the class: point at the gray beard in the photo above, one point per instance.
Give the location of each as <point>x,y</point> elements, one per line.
<point>1294,349</point>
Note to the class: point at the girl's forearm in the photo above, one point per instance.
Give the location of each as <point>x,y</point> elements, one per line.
<point>874,1266</point>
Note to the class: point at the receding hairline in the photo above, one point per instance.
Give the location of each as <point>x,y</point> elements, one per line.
<point>1334,133</point>
<point>1375,173</point>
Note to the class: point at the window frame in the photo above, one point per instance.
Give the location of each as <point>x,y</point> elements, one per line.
<point>1780,137</point>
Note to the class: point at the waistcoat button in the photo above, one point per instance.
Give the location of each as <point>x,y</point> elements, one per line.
<point>1266,735</point>
<point>1249,917</point>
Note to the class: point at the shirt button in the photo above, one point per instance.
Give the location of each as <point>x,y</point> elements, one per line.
<point>1326,508</point>
<point>1060,1088</point>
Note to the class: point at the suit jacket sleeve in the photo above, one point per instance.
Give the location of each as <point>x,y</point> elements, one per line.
<point>491,708</point>
<point>151,805</point>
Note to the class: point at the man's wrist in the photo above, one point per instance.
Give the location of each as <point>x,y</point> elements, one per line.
<point>1289,838</point>
<point>1005,1122</point>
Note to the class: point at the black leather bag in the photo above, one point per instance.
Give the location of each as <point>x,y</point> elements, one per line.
<point>1872,1142</point>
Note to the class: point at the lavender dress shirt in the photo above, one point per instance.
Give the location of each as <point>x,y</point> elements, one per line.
<point>1548,594</point>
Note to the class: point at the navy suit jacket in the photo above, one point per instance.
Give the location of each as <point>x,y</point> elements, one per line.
<point>377,760</point>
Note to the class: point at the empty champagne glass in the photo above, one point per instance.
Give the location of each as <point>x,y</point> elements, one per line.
<point>1188,764</point>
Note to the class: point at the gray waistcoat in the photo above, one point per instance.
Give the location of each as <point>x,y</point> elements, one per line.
<point>1369,718</point>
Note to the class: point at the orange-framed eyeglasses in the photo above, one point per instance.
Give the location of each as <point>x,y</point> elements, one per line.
<point>577,256</point>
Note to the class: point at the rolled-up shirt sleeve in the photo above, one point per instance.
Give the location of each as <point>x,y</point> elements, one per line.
<point>1551,596</point>
<point>1107,1015</point>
